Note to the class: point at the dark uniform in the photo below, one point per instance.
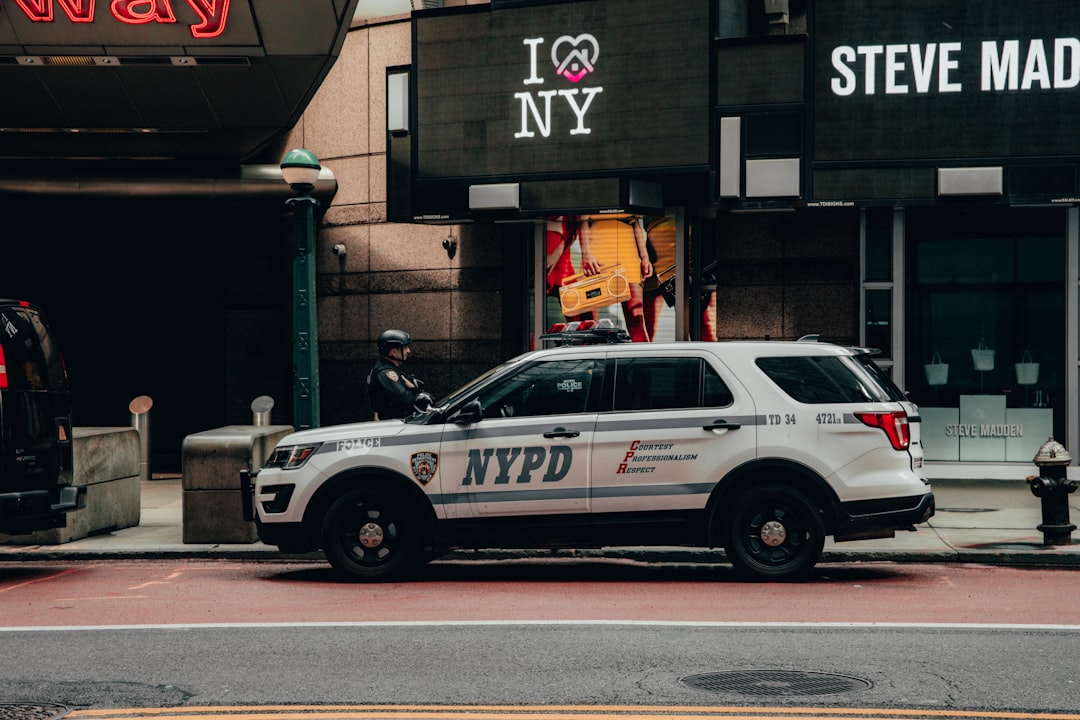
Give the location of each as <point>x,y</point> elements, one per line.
<point>392,393</point>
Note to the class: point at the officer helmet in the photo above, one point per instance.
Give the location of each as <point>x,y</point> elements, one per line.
<point>390,339</point>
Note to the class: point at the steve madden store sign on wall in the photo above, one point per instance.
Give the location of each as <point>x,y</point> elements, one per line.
<point>1004,66</point>
<point>928,80</point>
<point>983,429</point>
<point>562,88</point>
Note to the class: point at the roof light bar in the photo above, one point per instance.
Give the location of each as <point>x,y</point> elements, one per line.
<point>586,332</point>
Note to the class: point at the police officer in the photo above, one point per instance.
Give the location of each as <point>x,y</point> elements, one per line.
<point>392,393</point>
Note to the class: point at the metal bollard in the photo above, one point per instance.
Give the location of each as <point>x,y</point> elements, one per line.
<point>260,408</point>
<point>140,420</point>
<point>1053,487</point>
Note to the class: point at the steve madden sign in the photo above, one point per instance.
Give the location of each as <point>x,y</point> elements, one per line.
<point>212,14</point>
<point>986,430</point>
<point>945,83</point>
<point>922,68</point>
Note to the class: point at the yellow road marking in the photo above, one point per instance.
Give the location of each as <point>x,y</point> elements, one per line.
<point>544,712</point>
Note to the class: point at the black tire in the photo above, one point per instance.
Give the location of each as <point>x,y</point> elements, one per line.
<point>774,532</point>
<point>370,535</point>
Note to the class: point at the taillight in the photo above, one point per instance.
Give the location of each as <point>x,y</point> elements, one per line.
<point>894,424</point>
<point>3,370</point>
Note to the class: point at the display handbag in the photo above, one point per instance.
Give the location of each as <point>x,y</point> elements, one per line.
<point>982,357</point>
<point>1027,372</point>
<point>937,372</point>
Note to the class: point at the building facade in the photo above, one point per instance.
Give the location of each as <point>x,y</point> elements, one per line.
<point>904,179</point>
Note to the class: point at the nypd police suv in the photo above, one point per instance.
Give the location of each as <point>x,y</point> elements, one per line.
<point>760,448</point>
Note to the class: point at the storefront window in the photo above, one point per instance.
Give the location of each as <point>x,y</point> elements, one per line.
<point>615,266</point>
<point>986,347</point>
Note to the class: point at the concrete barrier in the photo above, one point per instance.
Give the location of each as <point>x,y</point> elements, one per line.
<point>211,463</point>
<point>107,461</point>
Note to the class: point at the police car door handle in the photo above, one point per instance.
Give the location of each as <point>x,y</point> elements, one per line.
<point>723,425</point>
<point>561,432</point>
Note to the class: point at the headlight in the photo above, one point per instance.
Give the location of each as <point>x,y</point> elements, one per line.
<point>290,457</point>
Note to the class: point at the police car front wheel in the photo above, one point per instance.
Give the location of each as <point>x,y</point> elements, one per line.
<point>369,535</point>
<point>774,532</point>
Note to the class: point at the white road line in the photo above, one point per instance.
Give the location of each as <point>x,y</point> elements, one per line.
<point>555,623</point>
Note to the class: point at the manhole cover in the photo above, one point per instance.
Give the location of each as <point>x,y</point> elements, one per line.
<point>775,683</point>
<point>31,711</point>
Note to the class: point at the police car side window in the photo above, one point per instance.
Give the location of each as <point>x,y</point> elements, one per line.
<point>715,392</point>
<point>545,388</point>
<point>667,383</point>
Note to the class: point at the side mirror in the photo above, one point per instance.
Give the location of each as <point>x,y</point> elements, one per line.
<point>469,413</point>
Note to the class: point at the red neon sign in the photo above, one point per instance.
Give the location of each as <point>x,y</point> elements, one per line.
<point>212,13</point>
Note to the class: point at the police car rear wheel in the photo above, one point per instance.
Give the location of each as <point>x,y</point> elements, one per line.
<point>774,533</point>
<point>369,535</point>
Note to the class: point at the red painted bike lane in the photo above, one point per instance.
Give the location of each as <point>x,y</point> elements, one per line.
<point>120,592</point>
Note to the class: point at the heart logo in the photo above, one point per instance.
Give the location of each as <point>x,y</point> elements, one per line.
<point>581,58</point>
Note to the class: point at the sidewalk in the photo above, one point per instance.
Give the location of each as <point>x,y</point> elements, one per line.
<point>978,521</point>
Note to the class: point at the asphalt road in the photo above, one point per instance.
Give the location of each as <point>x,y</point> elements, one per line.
<point>561,663</point>
<point>902,640</point>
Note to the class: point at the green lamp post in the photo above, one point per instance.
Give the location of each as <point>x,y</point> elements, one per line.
<point>300,169</point>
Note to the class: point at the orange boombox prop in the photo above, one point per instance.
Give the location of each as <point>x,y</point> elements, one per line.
<point>581,293</point>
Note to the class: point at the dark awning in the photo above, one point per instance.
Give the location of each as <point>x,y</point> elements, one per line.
<point>177,79</point>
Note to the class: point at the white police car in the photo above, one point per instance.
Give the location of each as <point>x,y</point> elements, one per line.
<point>760,448</point>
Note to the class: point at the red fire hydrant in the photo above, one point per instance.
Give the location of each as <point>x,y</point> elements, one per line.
<point>1053,487</point>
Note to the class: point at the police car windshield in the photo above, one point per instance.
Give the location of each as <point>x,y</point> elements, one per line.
<point>462,393</point>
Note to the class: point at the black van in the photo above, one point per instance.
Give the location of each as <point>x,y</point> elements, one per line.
<point>35,425</point>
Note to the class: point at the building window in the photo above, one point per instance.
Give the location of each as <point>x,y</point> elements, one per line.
<point>878,283</point>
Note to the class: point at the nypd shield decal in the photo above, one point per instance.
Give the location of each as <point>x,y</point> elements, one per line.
<point>423,466</point>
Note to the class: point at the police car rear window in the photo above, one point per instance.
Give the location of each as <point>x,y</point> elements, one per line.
<point>895,393</point>
<point>825,379</point>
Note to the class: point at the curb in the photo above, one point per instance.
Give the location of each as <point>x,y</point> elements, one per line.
<point>1019,558</point>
